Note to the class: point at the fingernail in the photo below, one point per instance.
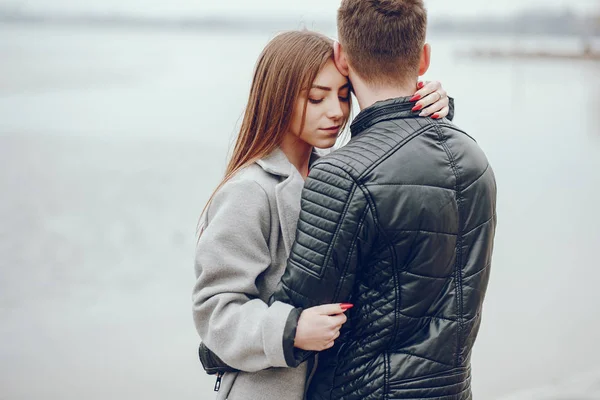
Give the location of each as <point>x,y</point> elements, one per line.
<point>435,116</point>
<point>417,107</point>
<point>420,85</point>
<point>416,97</point>
<point>346,306</point>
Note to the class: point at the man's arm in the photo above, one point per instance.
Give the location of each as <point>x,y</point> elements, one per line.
<point>334,233</point>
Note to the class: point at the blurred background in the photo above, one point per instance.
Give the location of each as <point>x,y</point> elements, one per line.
<point>115,122</point>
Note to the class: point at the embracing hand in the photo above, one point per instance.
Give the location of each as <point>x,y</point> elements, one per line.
<point>319,327</point>
<point>431,99</point>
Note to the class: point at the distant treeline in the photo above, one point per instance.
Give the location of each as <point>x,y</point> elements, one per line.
<point>538,22</point>
<point>119,20</point>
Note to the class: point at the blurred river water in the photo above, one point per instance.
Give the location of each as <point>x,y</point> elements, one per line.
<point>111,140</point>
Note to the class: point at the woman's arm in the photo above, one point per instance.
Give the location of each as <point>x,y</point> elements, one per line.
<point>232,252</point>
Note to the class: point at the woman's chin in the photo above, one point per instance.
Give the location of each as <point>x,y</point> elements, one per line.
<point>325,143</point>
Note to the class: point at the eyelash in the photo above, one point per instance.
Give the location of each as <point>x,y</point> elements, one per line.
<point>314,101</point>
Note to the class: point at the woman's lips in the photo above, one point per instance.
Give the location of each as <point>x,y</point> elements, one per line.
<point>332,129</point>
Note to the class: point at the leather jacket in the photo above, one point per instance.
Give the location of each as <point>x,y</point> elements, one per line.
<point>400,222</point>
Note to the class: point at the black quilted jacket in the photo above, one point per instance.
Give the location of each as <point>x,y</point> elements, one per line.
<point>400,222</point>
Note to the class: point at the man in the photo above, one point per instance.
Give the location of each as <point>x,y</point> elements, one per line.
<point>400,222</point>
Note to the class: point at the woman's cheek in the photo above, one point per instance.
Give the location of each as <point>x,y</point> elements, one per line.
<point>312,116</point>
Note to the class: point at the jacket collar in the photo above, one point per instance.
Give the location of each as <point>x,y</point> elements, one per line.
<point>277,163</point>
<point>400,107</point>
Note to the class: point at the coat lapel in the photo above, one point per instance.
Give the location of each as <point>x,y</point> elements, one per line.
<point>287,193</point>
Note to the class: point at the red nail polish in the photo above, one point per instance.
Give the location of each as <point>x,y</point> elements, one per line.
<point>346,306</point>
<point>417,107</point>
<point>416,97</point>
<point>435,116</point>
<point>420,85</point>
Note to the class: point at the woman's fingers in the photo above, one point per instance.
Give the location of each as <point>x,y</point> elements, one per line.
<point>427,89</point>
<point>319,327</point>
<point>437,108</point>
<point>328,309</point>
<point>337,335</point>
<point>332,342</point>
<point>430,98</point>
<point>338,320</point>
<point>434,101</point>
<point>441,114</point>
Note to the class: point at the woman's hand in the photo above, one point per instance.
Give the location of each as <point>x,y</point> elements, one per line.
<point>319,327</point>
<point>431,99</point>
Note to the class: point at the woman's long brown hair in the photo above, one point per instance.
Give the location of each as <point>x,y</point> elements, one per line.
<point>289,63</point>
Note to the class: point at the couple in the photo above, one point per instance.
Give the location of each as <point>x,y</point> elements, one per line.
<point>360,275</point>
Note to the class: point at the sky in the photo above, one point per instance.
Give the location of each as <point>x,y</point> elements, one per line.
<point>308,8</point>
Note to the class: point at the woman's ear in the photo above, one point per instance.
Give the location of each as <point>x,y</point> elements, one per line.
<point>341,62</point>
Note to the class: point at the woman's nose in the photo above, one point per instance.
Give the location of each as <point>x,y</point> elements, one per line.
<point>335,110</point>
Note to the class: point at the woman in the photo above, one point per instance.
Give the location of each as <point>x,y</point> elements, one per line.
<point>298,101</point>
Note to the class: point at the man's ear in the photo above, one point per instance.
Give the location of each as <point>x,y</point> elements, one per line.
<point>341,62</point>
<point>425,59</point>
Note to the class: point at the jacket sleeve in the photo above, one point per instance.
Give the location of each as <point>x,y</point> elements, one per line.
<point>333,238</point>
<point>232,251</point>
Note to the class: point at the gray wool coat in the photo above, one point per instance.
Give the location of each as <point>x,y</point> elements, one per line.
<point>248,231</point>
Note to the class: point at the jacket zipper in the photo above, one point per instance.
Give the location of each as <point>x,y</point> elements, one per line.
<point>311,375</point>
<point>218,382</point>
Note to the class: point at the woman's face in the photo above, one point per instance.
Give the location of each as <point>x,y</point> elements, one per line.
<point>327,109</point>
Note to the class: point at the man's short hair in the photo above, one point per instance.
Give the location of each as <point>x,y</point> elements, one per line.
<point>383,39</point>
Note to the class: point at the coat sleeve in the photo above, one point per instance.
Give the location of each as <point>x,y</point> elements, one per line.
<point>334,235</point>
<point>232,251</point>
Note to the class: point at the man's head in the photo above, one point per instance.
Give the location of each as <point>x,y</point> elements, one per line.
<point>383,41</point>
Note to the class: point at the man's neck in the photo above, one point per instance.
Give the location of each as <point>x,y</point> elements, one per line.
<point>367,95</point>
